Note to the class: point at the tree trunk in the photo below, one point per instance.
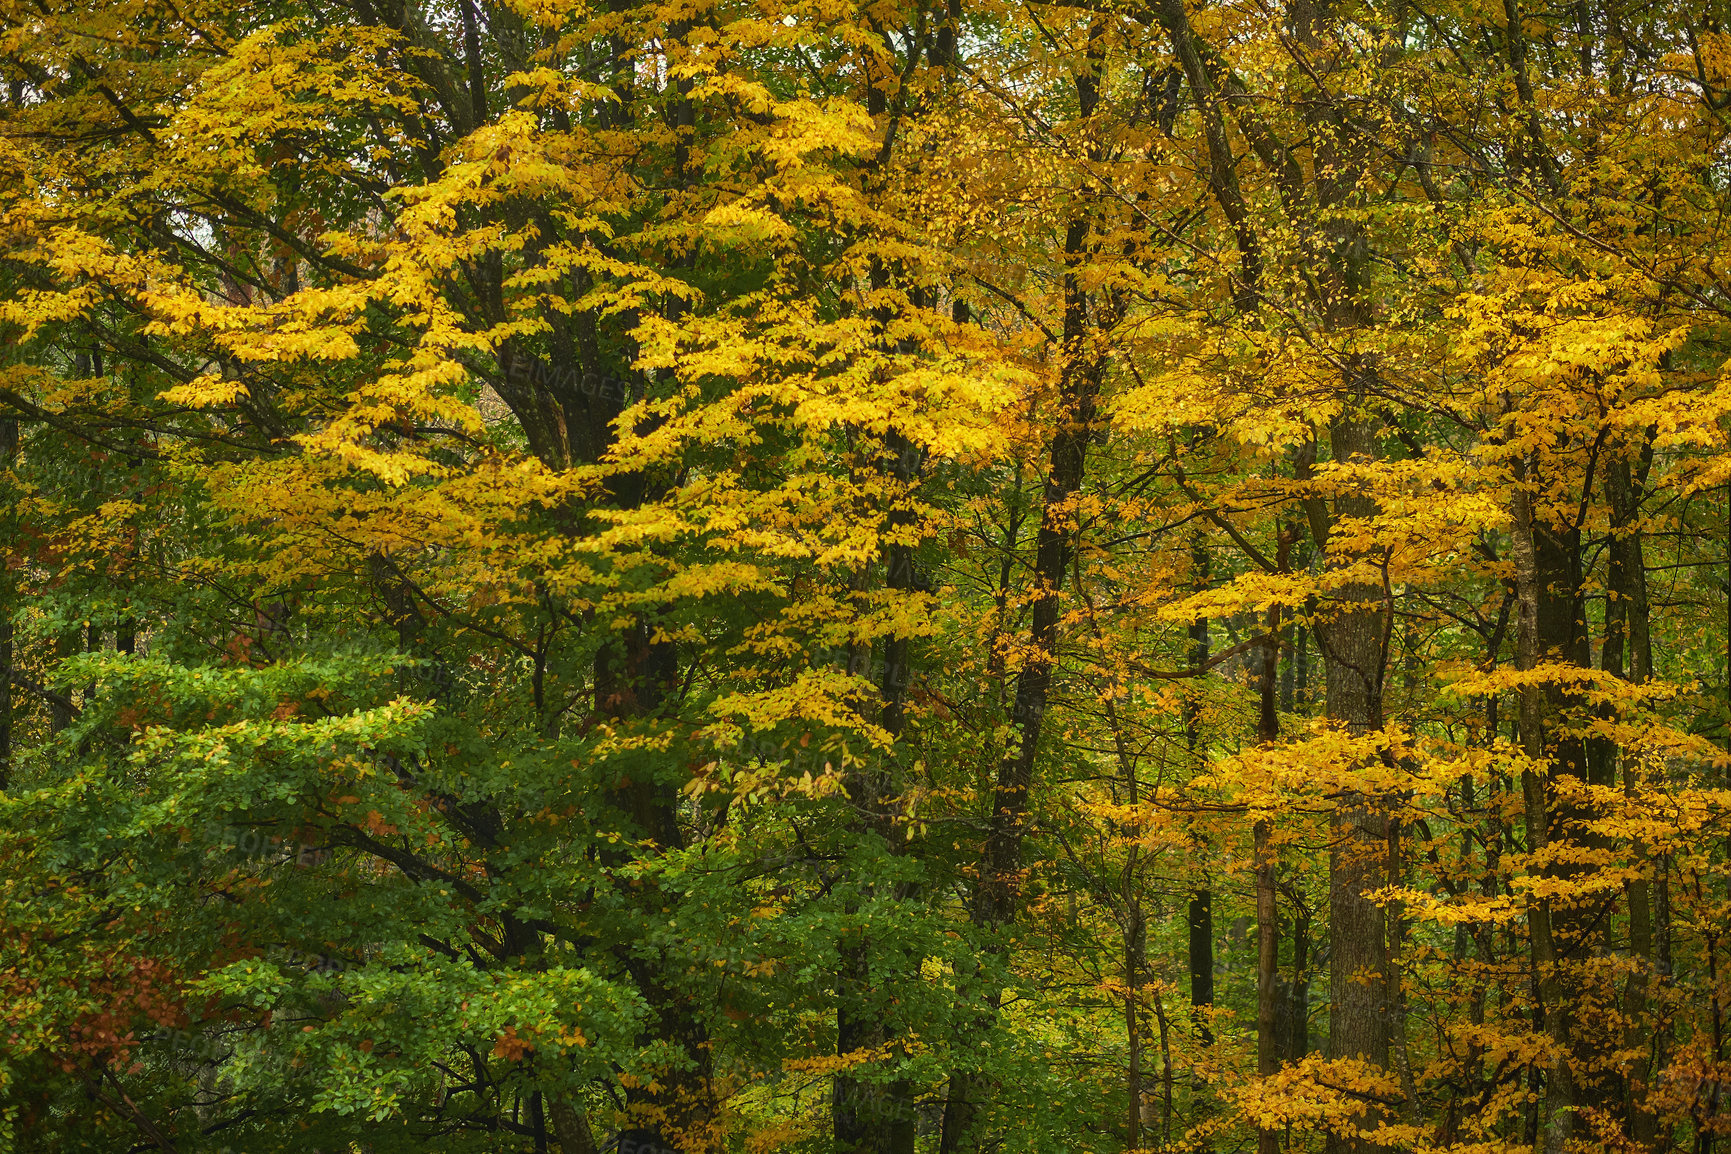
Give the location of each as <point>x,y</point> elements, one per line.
<point>1267,928</point>
<point>1267,970</point>
<point>1396,994</point>
<point>1165,1071</point>
<point>570,1128</point>
<point>1628,653</point>
<point>1352,637</point>
<point>996,899</point>
<point>1536,598</point>
<point>1201,924</point>
<point>1294,1025</point>
<point>869,1117</point>
<point>1200,914</point>
<point>1135,961</point>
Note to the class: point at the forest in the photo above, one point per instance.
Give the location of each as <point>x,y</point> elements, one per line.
<point>865,576</point>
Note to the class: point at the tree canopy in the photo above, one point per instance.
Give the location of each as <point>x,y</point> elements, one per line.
<point>893,576</point>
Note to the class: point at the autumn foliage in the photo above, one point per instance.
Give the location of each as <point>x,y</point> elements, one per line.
<point>900,577</point>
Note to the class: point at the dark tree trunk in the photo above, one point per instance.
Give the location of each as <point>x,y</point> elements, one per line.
<point>1628,653</point>
<point>1201,923</point>
<point>1200,917</point>
<point>1294,1022</point>
<point>871,1117</point>
<point>1267,971</point>
<point>1352,633</point>
<point>1135,963</point>
<point>1267,927</point>
<point>1549,627</point>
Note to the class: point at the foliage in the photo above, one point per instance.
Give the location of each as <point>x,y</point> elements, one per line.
<point>863,577</point>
